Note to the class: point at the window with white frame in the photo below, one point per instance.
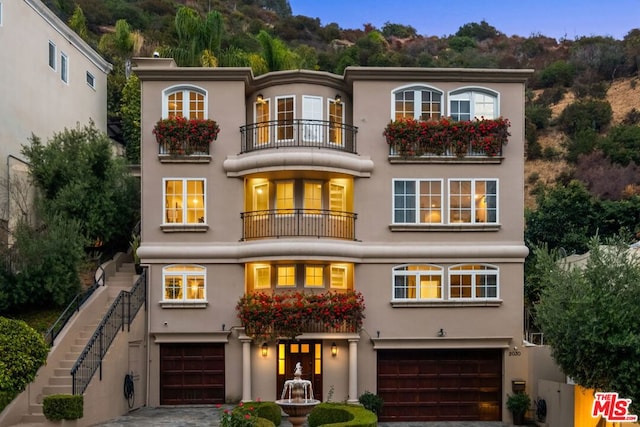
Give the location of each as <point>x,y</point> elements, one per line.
<point>1,13</point>
<point>64,67</point>
<point>473,201</point>
<point>188,102</point>
<point>184,283</point>
<point>417,102</point>
<point>184,201</point>
<point>285,110</point>
<point>314,276</point>
<point>263,115</point>
<point>469,104</point>
<point>473,281</point>
<point>339,276</point>
<point>261,276</point>
<point>298,275</point>
<point>286,276</point>
<point>91,80</point>
<point>417,201</point>
<point>417,282</point>
<point>52,55</point>
<point>336,122</point>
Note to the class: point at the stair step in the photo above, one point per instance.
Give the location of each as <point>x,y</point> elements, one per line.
<point>67,364</point>
<point>62,372</point>
<point>56,389</point>
<point>63,380</point>
<point>36,408</point>
<point>34,418</point>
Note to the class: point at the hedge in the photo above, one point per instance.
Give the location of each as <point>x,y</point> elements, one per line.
<point>341,415</point>
<point>58,407</point>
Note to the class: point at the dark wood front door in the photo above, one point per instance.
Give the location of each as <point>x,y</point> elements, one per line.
<point>309,355</point>
<point>191,374</point>
<point>440,385</point>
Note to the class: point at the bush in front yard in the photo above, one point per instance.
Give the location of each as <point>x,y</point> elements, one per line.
<point>341,415</point>
<point>58,407</point>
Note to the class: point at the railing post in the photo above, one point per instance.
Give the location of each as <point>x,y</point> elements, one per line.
<point>101,349</point>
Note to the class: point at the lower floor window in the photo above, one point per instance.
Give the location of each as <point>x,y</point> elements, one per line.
<point>183,283</point>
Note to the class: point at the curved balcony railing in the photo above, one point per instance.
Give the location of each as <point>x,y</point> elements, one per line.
<point>298,133</point>
<point>298,223</point>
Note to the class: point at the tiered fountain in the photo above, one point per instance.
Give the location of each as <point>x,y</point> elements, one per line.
<point>300,399</point>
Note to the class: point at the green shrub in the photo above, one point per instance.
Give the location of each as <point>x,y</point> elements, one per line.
<point>583,115</point>
<point>538,114</point>
<point>341,415</point>
<point>371,401</point>
<point>560,73</point>
<point>5,398</point>
<point>267,410</point>
<point>22,352</point>
<point>58,407</point>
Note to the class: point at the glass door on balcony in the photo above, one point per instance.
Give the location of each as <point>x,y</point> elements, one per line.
<point>336,121</point>
<point>312,119</point>
<point>285,115</point>
<point>262,129</point>
<point>309,355</point>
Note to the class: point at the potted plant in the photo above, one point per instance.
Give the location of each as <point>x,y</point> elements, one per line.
<point>135,244</point>
<point>518,404</point>
<point>182,136</point>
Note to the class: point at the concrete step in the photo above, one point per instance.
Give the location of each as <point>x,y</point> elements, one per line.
<point>62,372</point>
<point>36,408</point>
<point>67,364</point>
<point>34,418</point>
<point>63,380</point>
<point>57,389</point>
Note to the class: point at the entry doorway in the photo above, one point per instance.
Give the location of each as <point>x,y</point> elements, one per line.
<point>309,355</point>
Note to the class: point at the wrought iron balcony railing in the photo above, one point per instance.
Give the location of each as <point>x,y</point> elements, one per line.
<point>298,133</point>
<point>298,223</point>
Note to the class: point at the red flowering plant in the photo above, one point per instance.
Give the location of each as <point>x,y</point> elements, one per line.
<point>179,135</point>
<point>289,314</point>
<point>240,416</point>
<point>410,138</point>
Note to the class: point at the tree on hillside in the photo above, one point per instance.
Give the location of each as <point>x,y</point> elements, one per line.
<point>479,31</point>
<point>591,319</point>
<point>198,39</point>
<point>79,178</point>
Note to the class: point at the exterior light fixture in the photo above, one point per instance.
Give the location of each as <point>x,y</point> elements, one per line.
<point>441,333</point>
<point>338,98</point>
<point>260,99</point>
<point>334,349</point>
<point>264,349</point>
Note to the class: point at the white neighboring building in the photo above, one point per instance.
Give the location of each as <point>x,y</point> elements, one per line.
<point>51,80</point>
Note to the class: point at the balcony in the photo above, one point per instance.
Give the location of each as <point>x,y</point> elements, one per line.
<point>298,133</point>
<point>318,223</point>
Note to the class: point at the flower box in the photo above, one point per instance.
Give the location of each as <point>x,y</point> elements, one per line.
<point>290,314</point>
<point>182,136</point>
<point>415,138</point>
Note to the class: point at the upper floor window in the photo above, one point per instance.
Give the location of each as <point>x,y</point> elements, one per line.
<point>1,14</point>
<point>64,67</point>
<point>417,102</point>
<point>472,103</point>
<point>473,281</point>
<point>420,201</point>
<point>417,282</point>
<point>189,102</point>
<point>91,80</point>
<point>183,283</point>
<point>184,201</point>
<point>52,55</point>
<point>336,121</point>
<point>263,276</point>
<point>285,114</point>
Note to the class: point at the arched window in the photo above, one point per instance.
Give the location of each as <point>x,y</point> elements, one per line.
<point>473,281</point>
<point>185,101</point>
<point>184,283</point>
<point>417,282</point>
<point>417,102</point>
<point>470,103</point>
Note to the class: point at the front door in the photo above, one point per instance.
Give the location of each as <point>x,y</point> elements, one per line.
<point>309,355</point>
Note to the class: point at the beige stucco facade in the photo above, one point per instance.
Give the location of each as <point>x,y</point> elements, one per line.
<point>400,327</point>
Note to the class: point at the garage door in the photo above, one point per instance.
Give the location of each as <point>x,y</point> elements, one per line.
<point>440,385</point>
<point>191,374</point>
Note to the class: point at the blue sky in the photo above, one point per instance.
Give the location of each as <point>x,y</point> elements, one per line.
<point>558,19</point>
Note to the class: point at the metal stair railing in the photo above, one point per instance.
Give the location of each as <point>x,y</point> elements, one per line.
<point>74,307</point>
<point>122,312</point>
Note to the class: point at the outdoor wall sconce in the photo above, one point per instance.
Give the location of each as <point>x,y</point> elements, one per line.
<point>338,98</point>
<point>260,99</point>
<point>334,349</point>
<point>441,333</point>
<point>264,349</point>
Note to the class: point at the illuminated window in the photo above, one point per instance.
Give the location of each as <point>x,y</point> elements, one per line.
<point>312,197</point>
<point>189,102</point>
<point>473,201</point>
<point>417,201</point>
<point>184,201</point>
<point>417,282</point>
<point>183,283</point>
<point>262,120</point>
<point>473,281</point>
<point>286,275</point>
<point>339,276</point>
<point>284,197</point>
<point>261,276</point>
<point>314,276</point>
<point>336,122</point>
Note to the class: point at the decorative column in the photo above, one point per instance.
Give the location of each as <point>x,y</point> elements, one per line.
<point>246,368</point>
<point>353,370</point>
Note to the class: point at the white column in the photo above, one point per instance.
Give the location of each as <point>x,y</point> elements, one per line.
<point>353,370</point>
<point>246,369</point>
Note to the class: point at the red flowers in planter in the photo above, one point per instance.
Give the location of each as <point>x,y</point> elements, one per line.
<point>410,137</point>
<point>289,314</point>
<point>180,135</point>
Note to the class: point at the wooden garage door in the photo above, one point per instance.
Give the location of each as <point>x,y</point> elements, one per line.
<point>191,374</point>
<point>440,385</point>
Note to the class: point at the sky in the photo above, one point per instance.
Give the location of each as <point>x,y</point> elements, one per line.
<point>560,19</point>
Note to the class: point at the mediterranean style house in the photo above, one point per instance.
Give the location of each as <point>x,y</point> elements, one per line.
<point>368,226</point>
<point>51,80</point>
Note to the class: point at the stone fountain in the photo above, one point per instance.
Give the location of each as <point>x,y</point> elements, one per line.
<point>297,398</point>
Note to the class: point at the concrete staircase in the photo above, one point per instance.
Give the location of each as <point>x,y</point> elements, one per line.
<point>65,353</point>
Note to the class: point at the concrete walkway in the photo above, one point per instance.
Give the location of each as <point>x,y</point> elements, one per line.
<point>193,416</point>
